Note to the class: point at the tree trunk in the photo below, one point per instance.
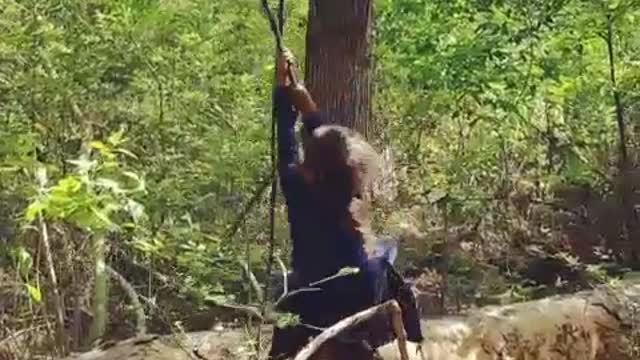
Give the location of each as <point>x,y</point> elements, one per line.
<point>626,187</point>
<point>338,61</point>
<point>101,289</point>
<point>592,325</point>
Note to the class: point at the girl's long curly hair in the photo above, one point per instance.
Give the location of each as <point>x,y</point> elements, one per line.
<point>341,167</point>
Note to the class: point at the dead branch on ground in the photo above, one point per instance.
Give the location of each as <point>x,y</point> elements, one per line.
<point>338,328</point>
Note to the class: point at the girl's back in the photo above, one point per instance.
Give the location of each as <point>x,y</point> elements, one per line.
<point>325,239</point>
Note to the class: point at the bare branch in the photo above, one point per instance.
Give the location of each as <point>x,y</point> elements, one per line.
<point>141,327</point>
<point>254,281</point>
<point>390,306</point>
<point>57,299</point>
<point>285,277</point>
<point>255,198</point>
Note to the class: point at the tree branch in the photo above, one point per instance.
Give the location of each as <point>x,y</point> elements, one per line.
<point>247,208</point>
<point>57,299</point>
<point>390,306</point>
<point>253,281</point>
<point>141,327</point>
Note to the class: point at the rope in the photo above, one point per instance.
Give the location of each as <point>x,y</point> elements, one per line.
<point>277,27</point>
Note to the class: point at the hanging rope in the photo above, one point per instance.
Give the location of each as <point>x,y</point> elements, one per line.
<point>278,30</point>
<point>277,27</point>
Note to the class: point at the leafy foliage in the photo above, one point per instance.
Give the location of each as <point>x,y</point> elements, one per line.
<point>148,122</point>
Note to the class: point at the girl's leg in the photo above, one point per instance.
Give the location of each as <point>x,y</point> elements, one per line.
<point>287,342</point>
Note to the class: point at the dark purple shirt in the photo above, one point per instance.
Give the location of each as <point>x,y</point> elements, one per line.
<point>322,245</point>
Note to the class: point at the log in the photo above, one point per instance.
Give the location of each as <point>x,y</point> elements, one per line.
<point>590,325</point>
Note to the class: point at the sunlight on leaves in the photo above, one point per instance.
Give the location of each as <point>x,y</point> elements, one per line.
<point>285,320</point>
<point>34,293</point>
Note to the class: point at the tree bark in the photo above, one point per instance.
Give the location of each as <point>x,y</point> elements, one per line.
<point>101,289</point>
<point>338,61</point>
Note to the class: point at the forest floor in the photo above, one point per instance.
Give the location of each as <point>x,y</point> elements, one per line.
<point>590,325</point>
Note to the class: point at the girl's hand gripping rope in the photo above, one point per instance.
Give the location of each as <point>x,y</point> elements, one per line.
<point>287,76</point>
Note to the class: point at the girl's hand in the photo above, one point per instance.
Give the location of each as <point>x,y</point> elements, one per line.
<point>300,96</point>
<point>285,64</point>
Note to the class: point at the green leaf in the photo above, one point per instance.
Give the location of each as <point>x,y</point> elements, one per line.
<point>127,153</point>
<point>285,320</point>
<point>98,145</point>
<point>220,299</point>
<point>34,209</point>
<point>116,138</point>
<point>109,184</point>
<point>348,271</point>
<point>104,218</point>
<point>34,293</point>
<point>68,185</point>
<point>84,165</point>
<point>23,259</point>
<point>140,184</point>
<point>152,246</point>
<point>8,169</point>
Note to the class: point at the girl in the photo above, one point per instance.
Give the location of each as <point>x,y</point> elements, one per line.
<point>327,217</point>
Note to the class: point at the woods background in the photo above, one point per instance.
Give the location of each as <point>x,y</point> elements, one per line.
<point>134,151</point>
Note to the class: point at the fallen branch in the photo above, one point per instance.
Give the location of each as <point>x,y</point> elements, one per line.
<point>141,327</point>
<point>14,336</point>
<point>165,280</point>
<point>253,281</point>
<point>390,306</point>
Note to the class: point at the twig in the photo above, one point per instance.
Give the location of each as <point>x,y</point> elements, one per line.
<point>247,208</point>
<point>329,278</point>
<point>162,278</point>
<point>254,281</point>
<point>57,299</point>
<point>15,335</point>
<point>285,277</point>
<point>312,287</point>
<point>288,295</point>
<point>141,327</point>
<point>390,306</point>
<point>100,288</point>
<point>247,309</point>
